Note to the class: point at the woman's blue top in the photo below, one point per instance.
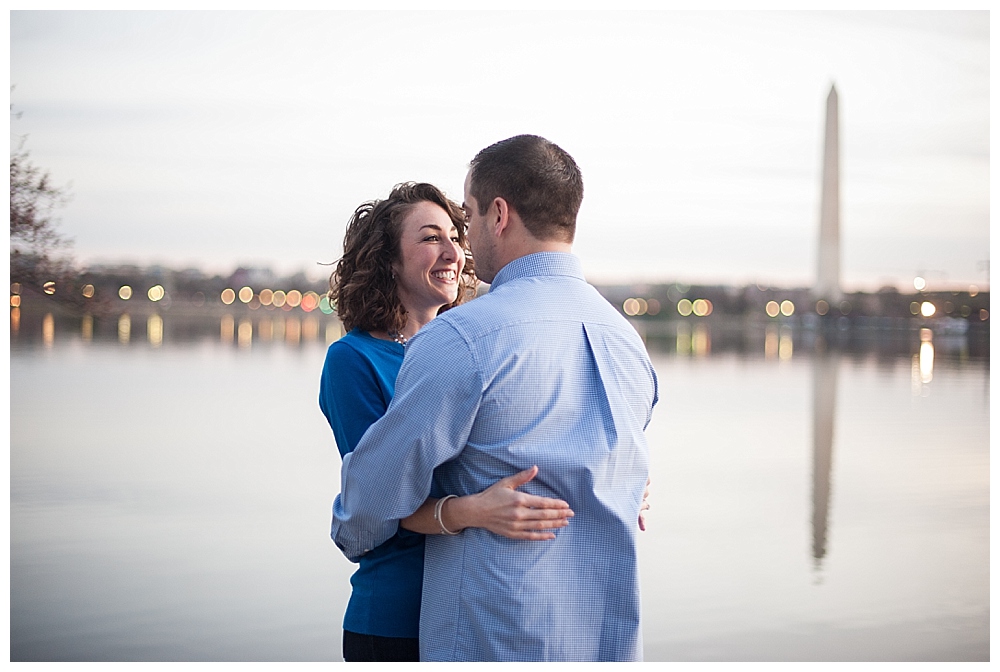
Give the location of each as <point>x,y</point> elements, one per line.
<point>358,381</point>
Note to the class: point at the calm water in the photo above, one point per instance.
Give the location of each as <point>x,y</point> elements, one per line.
<point>170,494</point>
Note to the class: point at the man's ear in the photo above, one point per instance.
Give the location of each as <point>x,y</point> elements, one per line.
<point>502,220</point>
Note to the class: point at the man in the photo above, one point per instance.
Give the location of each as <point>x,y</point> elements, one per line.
<point>540,371</point>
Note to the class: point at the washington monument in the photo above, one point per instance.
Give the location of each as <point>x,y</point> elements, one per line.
<point>828,274</point>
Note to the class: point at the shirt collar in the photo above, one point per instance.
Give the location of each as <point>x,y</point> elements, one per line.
<point>540,263</point>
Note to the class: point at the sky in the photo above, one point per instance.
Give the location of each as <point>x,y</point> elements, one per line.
<point>218,139</point>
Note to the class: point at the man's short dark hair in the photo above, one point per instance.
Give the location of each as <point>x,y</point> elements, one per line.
<point>537,178</point>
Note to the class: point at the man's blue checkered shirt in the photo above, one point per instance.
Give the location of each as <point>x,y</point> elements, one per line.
<point>540,371</point>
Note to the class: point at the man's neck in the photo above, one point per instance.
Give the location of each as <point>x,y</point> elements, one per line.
<point>530,245</point>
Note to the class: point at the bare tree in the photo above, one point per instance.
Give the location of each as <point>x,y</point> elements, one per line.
<point>34,237</point>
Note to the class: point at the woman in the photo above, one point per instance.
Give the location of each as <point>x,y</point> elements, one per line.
<point>404,262</point>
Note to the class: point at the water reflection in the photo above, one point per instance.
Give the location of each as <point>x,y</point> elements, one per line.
<point>334,330</point>
<point>731,566</point>
<point>226,329</point>
<point>310,329</point>
<point>48,330</point>
<point>293,330</point>
<point>245,333</point>
<point>154,330</point>
<point>785,343</point>
<point>771,342</point>
<point>884,338</point>
<point>697,341</point>
<point>87,328</point>
<point>925,358</point>
<point>124,329</point>
<point>824,369</point>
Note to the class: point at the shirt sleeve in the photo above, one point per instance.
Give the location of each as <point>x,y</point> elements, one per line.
<point>428,422</point>
<point>349,395</point>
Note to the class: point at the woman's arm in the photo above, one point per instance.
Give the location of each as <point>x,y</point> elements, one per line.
<point>500,508</point>
<point>644,507</point>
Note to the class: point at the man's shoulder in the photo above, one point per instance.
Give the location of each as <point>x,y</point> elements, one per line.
<point>533,299</point>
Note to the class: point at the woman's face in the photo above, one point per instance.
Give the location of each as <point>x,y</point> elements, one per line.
<point>431,259</point>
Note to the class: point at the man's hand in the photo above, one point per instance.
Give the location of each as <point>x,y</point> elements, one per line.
<point>503,510</point>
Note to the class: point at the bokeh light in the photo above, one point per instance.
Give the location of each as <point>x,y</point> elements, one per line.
<point>653,307</point>
<point>48,330</point>
<point>156,293</point>
<point>154,330</point>
<point>701,342</point>
<point>926,362</point>
<point>914,307</point>
<point>684,307</point>
<point>772,309</point>
<point>787,308</point>
<point>822,307</point>
<point>244,335</point>
<point>228,296</point>
<point>124,329</point>
<point>293,298</point>
<point>49,287</point>
<point>87,328</point>
<point>701,307</point>
<point>771,341</point>
<point>310,329</point>
<point>265,329</point>
<point>785,344</point>
<point>125,292</point>
<point>278,299</point>
<point>310,301</point>
<point>227,328</point>
<point>927,309</point>
<point>919,283</point>
<point>15,288</point>
<point>265,297</point>
<point>87,291</point>
<point>245,294</point>
<point>293,330</point>
<point>15,301</point>
<point>334,330</point>
<point>325,307</point>
<point>683,345</point>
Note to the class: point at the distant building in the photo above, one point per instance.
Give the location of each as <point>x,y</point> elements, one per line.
<point>828,272</point>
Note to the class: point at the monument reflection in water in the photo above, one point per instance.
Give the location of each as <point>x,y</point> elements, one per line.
<point>818,495</point>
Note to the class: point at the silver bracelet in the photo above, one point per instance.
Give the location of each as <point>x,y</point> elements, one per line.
<point>437,514</point>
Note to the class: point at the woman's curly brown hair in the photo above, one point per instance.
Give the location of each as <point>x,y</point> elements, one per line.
<point>362,286</point>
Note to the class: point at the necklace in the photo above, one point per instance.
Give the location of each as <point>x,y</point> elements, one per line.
<point>398,337</point>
